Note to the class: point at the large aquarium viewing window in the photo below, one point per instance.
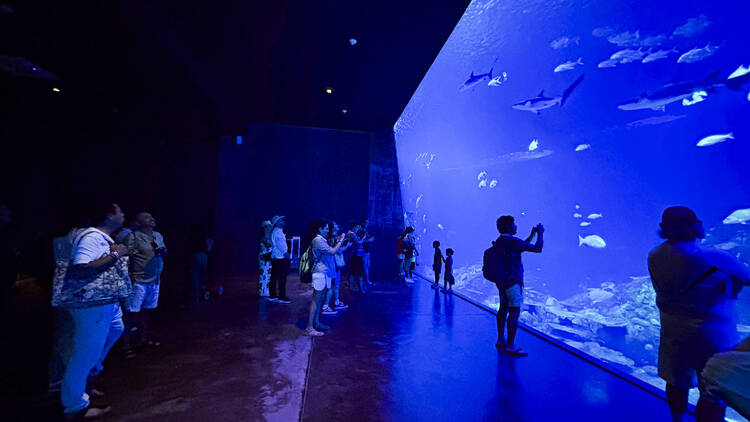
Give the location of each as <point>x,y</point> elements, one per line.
<point>590,118</point>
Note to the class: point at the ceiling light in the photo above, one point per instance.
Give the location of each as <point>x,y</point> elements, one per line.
<point>56,89</point>
<point>344,111</point>
<point>352,41</point>
<point>328,90</point>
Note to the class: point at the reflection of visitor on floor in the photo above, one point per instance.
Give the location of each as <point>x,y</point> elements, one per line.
<point>502,265</point>
<point>696,292</point>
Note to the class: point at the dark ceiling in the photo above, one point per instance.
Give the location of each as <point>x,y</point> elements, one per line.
<point>209,68</point>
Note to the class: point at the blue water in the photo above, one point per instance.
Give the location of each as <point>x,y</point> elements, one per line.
<point>466,156</point>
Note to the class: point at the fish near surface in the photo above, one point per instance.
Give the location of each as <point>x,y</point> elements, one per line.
<point>569,65</point>
<point>582,147</point>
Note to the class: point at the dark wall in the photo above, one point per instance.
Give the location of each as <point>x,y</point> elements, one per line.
<point>298,172</point>
<point>385,208</point>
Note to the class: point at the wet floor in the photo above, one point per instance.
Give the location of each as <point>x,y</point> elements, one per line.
<point>415,354</point>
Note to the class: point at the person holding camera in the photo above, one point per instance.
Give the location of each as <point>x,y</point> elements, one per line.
<point>502,265</point>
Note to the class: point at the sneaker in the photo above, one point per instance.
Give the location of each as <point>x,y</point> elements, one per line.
<point>313,332</point>
<point>515,351</point>
<point>322,327</point>
<point>341,305</point>
<point>327,310</point>
<point>273,299</point>
<point>284,300</point>
<point>96,412</point>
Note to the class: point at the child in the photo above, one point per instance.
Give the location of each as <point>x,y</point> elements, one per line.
<point>437,263</point>
<point>448,277</point>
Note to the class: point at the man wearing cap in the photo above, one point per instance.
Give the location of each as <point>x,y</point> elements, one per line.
<point>279,261</point>
<point>696,292</point>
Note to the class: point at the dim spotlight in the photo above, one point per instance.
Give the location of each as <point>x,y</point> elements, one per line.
<point>352,41</point>
<point>329,90</point>
<point>56,89</point>
<point>344,111</point>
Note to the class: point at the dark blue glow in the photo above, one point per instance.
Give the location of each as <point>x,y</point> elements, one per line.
<point>239,140</point>
<point>598,163</point>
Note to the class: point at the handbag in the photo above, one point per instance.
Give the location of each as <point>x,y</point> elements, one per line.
<point>306,264</point>
<point>109,286</point>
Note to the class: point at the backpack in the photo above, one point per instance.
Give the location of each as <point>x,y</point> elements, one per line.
<point>496,266</point>
<point>306,264</point>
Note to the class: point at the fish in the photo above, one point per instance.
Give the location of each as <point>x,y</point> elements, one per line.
<point>582,147</point>
<point>714,139</point>
<point>578,207</point>
<point>483,183</point>
<point>625,39</point>
<point>533,145</point>
<point>741,71</point>
<point>627,55</point>
<point>608,63</point>
<point>592,240</point>
<point>564,41</point>
<point>523,156</point>
<point>655,120</point>
<point>595,216</point>
<point>585,223</point>
<point>440,226</point>
<point>727,246</point>
<point>603,31</point>
<point>671,93</point>
<point>569,65</point>
<point>599,295</point>
<point>653,41</point>
<point>498,80</point>
<point>692,26</point>
<point>658,55</point>
<point>577,215</point>
<point>474,80</point>
<point>741,216</point>
<point>541,102</point>
<point>419,201</point>
<point>493,183</point>
<point>424,218</point>
<point>697,97</point>
<point>482,175</point>
<point>698,54</point>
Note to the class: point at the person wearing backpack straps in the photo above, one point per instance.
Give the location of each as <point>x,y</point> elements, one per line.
<point>696,292</point>
<point>502,265</point>
<point>94,282</point>
<point>323,271</point>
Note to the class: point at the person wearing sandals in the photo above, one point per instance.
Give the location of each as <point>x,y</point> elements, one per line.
<point>147,250</point>
<point>323,271</point>
<point>334,230</point>
<point>503,266</point>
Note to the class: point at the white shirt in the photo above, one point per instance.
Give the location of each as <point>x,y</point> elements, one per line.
<point>278,244</point>
<point>93,246</point>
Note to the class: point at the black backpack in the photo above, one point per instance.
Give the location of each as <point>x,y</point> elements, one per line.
<point>496,265</point>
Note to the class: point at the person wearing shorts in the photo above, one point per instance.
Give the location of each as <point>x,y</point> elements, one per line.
<point>324,269</point>
<point>147,250</point>
<point>696,292</point>
<point>506,252</point>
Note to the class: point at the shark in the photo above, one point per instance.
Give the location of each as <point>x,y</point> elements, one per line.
<point>541,102</point>
<point>671,93</point>
<point>474,80</point>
